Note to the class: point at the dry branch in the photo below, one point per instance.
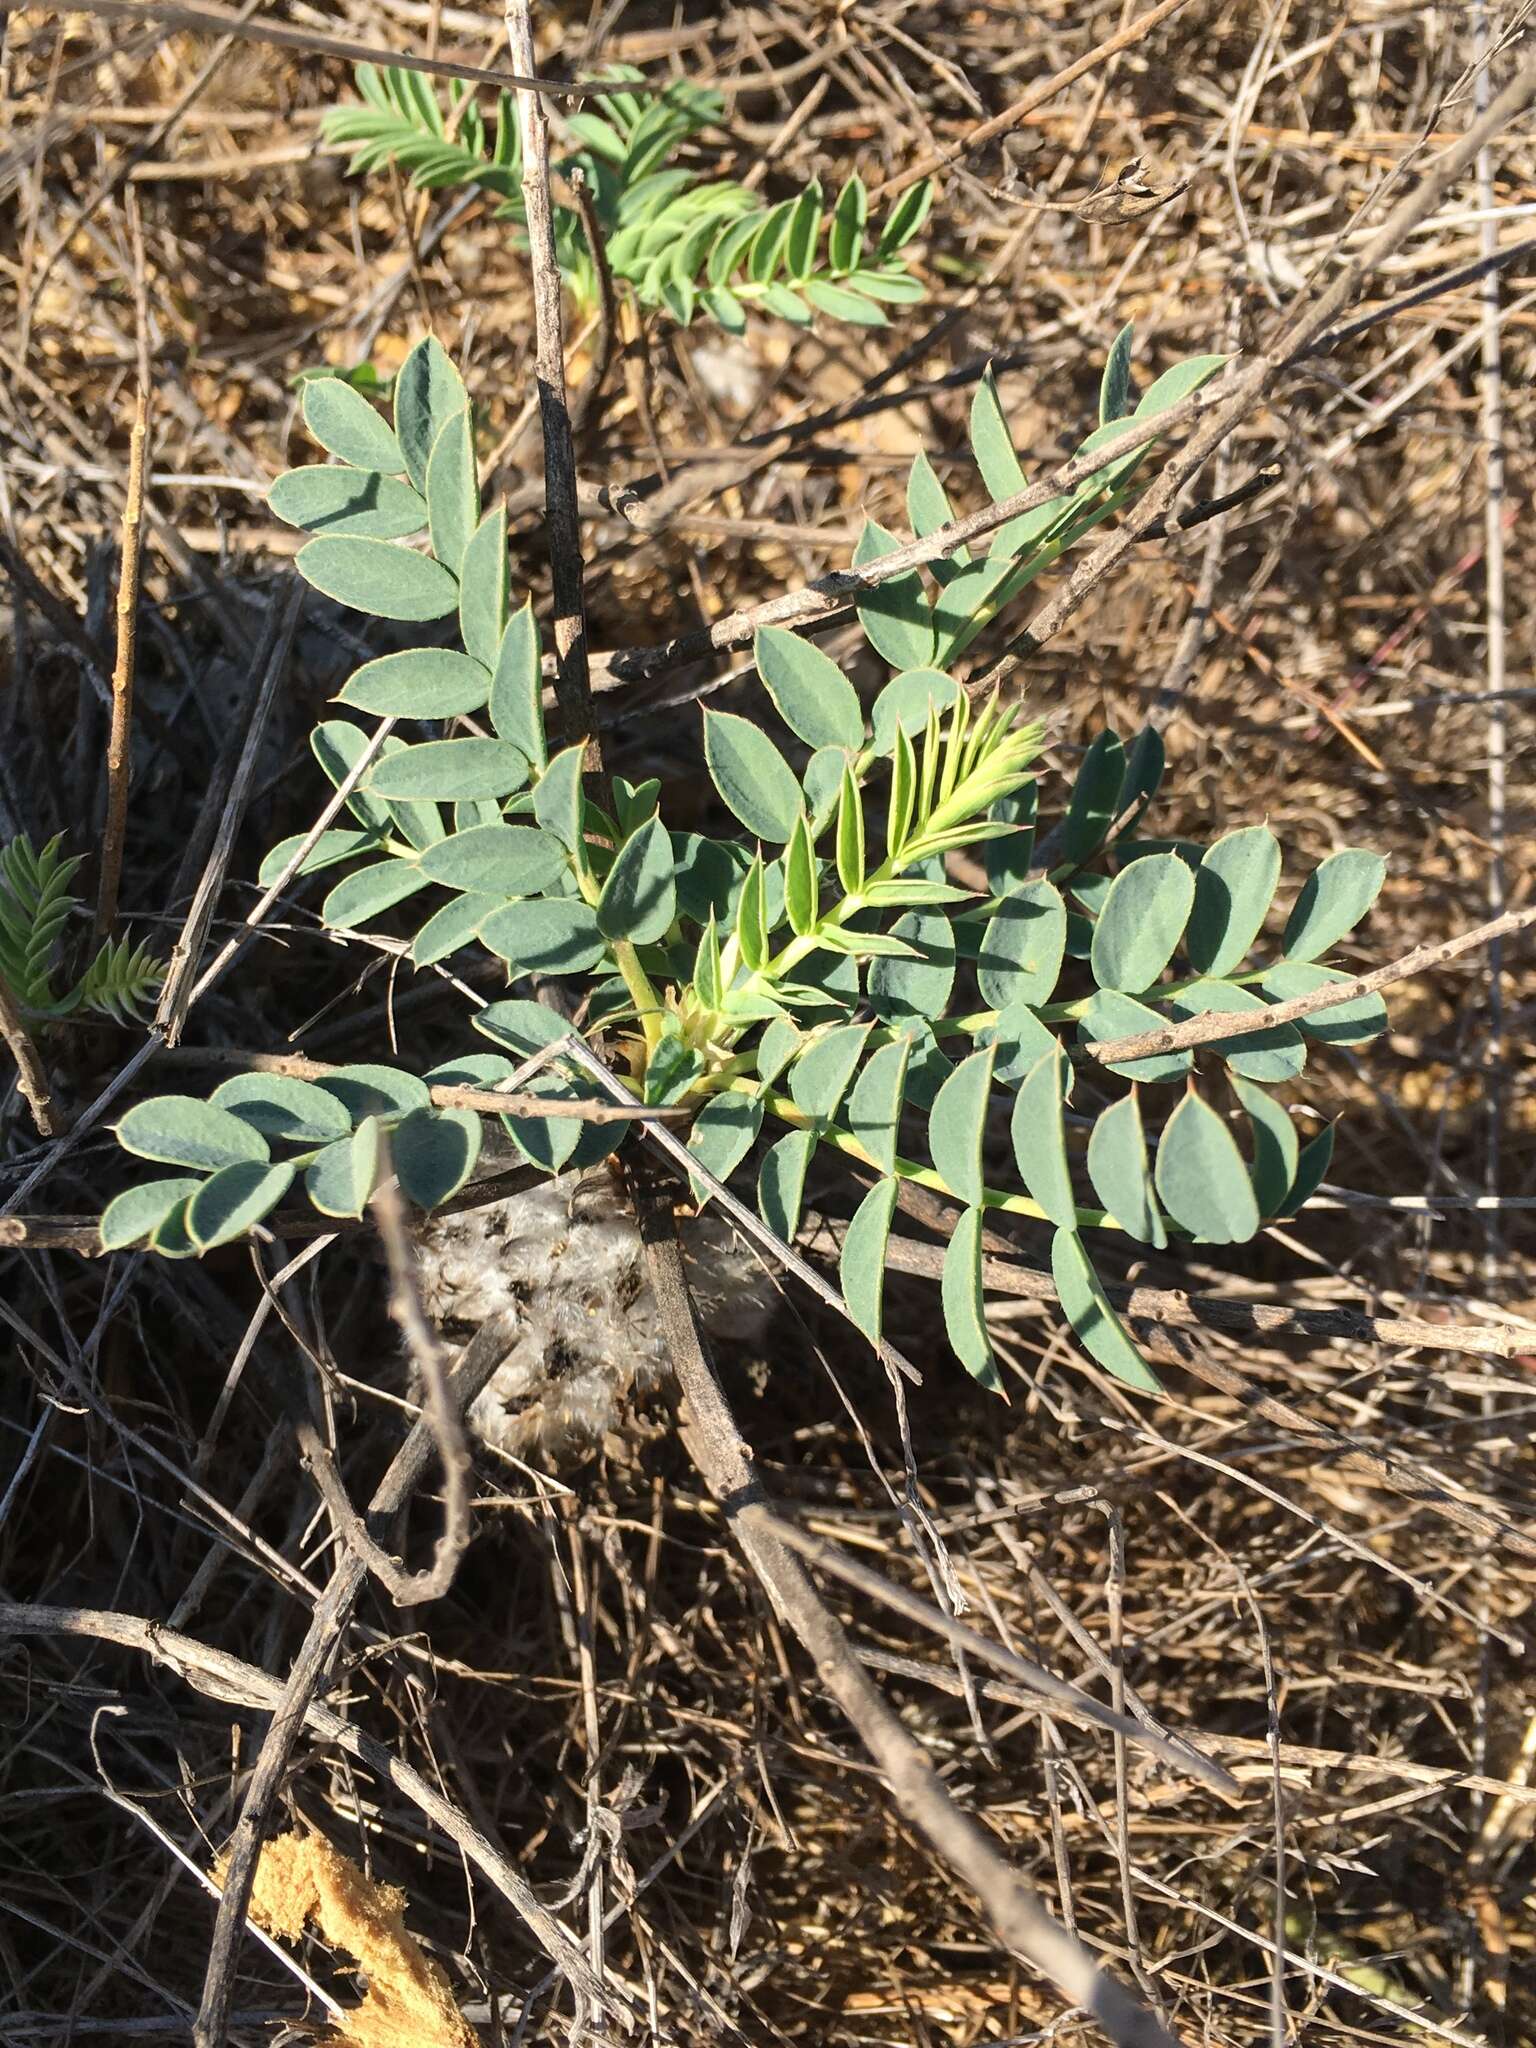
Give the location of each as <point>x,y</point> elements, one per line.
<point>1210,1027</point>
<point>725,1465</point>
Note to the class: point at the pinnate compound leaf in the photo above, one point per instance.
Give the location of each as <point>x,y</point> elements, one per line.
<point>483,590</point>
<point>428,392</point>
<point>371,1089</point>
<point>557,798</point>
<point>1112,1015</point>
<point>496,860</point>
<point>1095,800</point>
<point>420,682</point>
<point>819,1078</point>
<point>1094,1323</point>
<point>434,1152</point>
<point>1023,947</point>
<point>368,892</point>
<point>1201,1176</point>
<point>1141,922</point>
<point>1115,385</point>
<point>376,577</point>
<point>724,1132</point>
<point>1316,1157</point>
<point>280,1106</point>
<point>1021,1040</point>
<point>1334,898</point>
<point>874,1107</point>
<point>1009,855</point>
<point>639,899</point>
<point>754,779</point>
<point>1277,1054</point>
<point>181,1130</point>
<point>965,1316</point>
<point>446,930</point>
<point>1353,1023</point>
<point>554,935</point>
<point>957,1126</point>
<point>517,690</point>
<point>459,770</point>
<point>1234,887</point>
<point>861,1266</point>
<point>1276,1148</point>
<point>234,1201</point>
<point>346,425</point>
<point>329,851</point>
<point>896,616</point>
<point>138,1212</point>
<point>453,494</point>
<point>170,1237</point>
<point>904,702</point>
<point>1121,1172</point>
<point>354,503</point>
<point>919,985</point>
<point>813,696</point>
<point>340,1180</point>
<point>1040,1136</point>
<point>781,1182</point>
<point>992,443</point>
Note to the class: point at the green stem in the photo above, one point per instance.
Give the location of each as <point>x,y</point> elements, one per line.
<point>788,1111</point>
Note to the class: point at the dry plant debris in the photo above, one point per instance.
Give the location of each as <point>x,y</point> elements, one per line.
<point>302,1881</point>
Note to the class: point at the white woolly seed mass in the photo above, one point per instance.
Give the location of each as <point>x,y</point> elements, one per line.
<point>566,1261</point>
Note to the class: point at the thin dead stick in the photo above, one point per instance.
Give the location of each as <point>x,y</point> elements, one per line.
<point>1212,1026</point>
<point>409,1589</point>
<point>1172,1309</point>
<point>840,588</point>
<point>562,517</point>
<point>119,741</point>
<point>1307,317</point>
<point>219,1676</point>
<point>1066,1699</point>
<point>1161,1309</point>
<point>321,1643</point>
<point>223,21</point>
<point>1293,1755</point>
<point>725,1464</point>
<point>486,1101</point>
<point>1047,89</point>
<point>31,1074</point>
<point>179,993</point>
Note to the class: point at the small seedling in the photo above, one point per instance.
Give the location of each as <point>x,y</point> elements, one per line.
<point>888,931</point>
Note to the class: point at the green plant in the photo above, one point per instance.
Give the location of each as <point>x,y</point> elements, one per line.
<point>682,242</point>
<point>35,907</point>
<point>822,972</point>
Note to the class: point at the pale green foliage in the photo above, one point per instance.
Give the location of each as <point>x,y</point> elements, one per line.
<point>36,905</point>
<point>825,977</point>
<point>682,242</point>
